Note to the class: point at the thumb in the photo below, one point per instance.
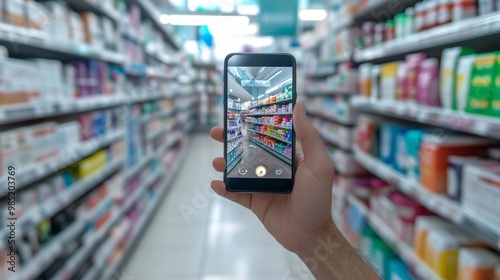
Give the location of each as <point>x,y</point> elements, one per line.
<point>314,150</point>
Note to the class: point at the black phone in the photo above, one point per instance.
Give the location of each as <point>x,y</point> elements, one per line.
<point>259,98</point>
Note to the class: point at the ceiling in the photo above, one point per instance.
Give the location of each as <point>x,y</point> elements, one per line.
<point>257,73</point>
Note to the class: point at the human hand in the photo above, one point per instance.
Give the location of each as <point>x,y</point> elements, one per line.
<point>299,218</point>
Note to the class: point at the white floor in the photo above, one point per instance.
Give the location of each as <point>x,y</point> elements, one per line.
<point>196,235</point>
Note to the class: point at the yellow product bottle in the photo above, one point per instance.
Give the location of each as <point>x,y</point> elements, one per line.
<point>477,264</point>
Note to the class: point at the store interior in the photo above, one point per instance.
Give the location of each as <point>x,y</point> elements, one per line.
<point>106,158</point>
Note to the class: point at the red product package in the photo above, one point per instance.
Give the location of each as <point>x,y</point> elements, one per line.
<point>413,65</point>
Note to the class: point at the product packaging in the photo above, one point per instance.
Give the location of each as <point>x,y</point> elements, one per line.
<point>413,65</point>
<point>434,157</point>
<point>483,76</point>
<point>428,83</point>
<point>365,80</point>
<point>476,264</point>
<point>456,166</point>
<point>399,270</point>
<point>464,9</point>
<point>413,139</point>
<point>13,12</point>
<point>449,69</point>
<point>463,81</point>
<point>388,74</point>
<point>401,82</point>
<point>391,141</point>
<point>481,182</point>
<point>423,226</point>
<point>382,255</point>
<point>495,97</point>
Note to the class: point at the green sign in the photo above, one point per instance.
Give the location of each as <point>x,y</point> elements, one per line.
<point>278,17</point>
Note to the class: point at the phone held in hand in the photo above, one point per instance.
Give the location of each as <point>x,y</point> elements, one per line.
<point>259,98</point>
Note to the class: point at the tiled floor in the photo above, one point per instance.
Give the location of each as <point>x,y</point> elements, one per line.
<point>197,235</point>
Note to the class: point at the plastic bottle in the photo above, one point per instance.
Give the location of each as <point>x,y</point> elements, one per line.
<point>431,14</point>
<point>399,22</point>
<point>419,17</point>
<point>389,30</point>
<point>445,10</point>
<point>379,36</point>
<point>410,21</point>
<point>464,9</point>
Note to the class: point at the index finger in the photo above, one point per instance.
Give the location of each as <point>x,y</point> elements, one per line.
<point>217,133</point>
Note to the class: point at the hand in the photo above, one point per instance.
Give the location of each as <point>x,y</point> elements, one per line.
<point>299,218</point>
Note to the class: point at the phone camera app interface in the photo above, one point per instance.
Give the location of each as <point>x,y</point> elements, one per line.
<point>259,122</point>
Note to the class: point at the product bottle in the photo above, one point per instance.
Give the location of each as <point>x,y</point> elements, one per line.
<point>389,30</point>
<point>410,21</point>
<point>419,17</point>
<point>432,15</point>
<point>445,8</point>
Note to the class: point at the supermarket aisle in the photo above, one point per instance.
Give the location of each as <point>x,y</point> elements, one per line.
<point>211,238</point>
<point>254,156</point>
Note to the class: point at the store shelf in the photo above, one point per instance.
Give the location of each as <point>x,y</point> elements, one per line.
<point>277,126</point>
<point>230,151</point>
<point>234,138</point>
<point>279,139</point>
<point>439,204</point>
<point>463,30</point>
<point>145,218</point>
<point>27,43</point>
<point>331,139</point>
<point>94,6</point>
<point>274,103</point>
<point>234,162</point>
<point>150,10</point>
<point>15,114</point>
<point>403,250</point>
<point>49,253</point>
<point>38,172</point>
<point>162,131</point>
<point>447,119</point>
<point>326,92</point>
<point>234,109</point>
<point>273,152</point>
<point>234,128</point>
<point>270,114</point>
<point>328,116</point>
<point>143,162</point>
<point>381,10</point>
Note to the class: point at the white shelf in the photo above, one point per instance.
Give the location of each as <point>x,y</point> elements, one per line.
<point>448,119</point>
<point>439,204</point>
<point>38,172</point>
<point>277,126</point>
<point>95,7</point>
<point>329,116</point>
<point>270,114</point>
<point>279,139</point>
<point>403,250</point>
<point>473,28</point>
<point>19,113</point>
<point>274,103</point>
<point>313,92</point>
<point>29,42</point>
<point>151,11</point>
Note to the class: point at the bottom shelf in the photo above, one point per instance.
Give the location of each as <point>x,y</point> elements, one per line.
<point>273,152</point>
<point>234,162</point>
<point>403,250</point>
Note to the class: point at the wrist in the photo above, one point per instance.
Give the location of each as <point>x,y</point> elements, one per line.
<point>322,244</point>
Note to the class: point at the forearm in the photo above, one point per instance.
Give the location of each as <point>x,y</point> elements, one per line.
<point>331,256</point>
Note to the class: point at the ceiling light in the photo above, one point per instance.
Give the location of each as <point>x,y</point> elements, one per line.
<point>202,20</point>
<point>275,75</point>
<point>248,10</point>
<point>230,90</point>
<point>313,15</point>
<point>273,89</point>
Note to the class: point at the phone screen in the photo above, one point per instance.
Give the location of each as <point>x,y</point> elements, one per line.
<point>260,122</point>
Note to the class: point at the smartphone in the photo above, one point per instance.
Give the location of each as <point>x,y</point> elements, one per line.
<point>259,97</point>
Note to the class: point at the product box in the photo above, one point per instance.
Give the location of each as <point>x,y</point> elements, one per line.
<point>77,32</point>
<point>477,264</point>
<point>463,81</point>
<point>14,12</point>
<point>413,64</point>
<point>456,166</point>
<point>90,165</point>
<point>483,77</point>
<point>391,137</point>
<point>495,97</point>
<point>388,74</point>
<point>60,21</point>
<point>481,192</point>
<point>434,155</point>
<point>428,83</point>
<point>38,17</point>
<point>449,69</point>
<point>93,30</point>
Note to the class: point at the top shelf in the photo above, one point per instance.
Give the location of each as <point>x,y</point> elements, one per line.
<point>442,36</point>
<point>94,6</point>
<point>151,11</point>
<point>381,10</point>
<point>274,103</point>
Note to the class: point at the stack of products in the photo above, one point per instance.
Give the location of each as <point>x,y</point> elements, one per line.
<point>285,135</point>
<point>285,149</point>
<point>233,134</point>
<point>463,81</point>
<point>286,95</point>
<point>274,109</point>
<point>281,121</point>
<point>343,81</point>
<point>423,16</point>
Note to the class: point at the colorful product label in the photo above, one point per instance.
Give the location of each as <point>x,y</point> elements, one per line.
<point>482,84</point>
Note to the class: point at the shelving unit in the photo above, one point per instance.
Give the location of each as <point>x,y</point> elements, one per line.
<point>441,205</point>
<point>273,152</point>
<point>447,119</point>
<point>274,137</point>
<point>234,162</point>
<point>144,82</point>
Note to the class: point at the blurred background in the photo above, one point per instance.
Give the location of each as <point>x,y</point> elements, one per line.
<point>105,158</point>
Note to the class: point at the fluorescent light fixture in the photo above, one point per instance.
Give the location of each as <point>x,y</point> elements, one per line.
<point>273,89</point>
<point>262,95</point>
<point>313,15</point>
<point>202,20</point>
<point>248,10</point>
<point>275,75</point>
<point>261,70</point>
